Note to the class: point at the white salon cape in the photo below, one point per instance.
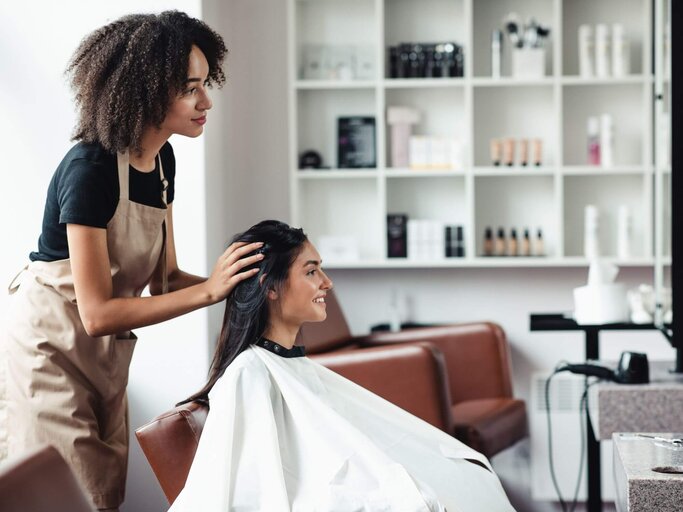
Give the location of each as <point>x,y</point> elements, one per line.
<point>287,434</point>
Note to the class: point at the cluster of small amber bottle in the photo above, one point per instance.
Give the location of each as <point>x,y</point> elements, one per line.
<point>512,245</point>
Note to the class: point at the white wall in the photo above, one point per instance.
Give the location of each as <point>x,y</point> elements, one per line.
<point>171,360</point>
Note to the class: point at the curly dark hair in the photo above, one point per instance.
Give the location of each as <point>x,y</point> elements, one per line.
<point>125,74</point>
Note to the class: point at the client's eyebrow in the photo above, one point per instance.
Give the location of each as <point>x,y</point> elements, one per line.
<point>313,262</point>
<point>189,80</point>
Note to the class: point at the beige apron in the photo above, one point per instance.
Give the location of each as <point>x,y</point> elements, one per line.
<point>63,386</point>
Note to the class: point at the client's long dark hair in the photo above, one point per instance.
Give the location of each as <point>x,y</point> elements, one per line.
<point>246,308</point>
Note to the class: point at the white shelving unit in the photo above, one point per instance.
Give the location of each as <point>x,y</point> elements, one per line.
<point>474,108</point>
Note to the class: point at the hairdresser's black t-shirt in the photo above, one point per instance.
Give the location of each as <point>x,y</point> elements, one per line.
<point>85,190</point>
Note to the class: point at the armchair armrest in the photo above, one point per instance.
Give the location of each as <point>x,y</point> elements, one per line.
<point>412,376</point>
<point>476,354</point>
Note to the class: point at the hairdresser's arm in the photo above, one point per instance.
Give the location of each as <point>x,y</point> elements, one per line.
<point>104,314</point>
<point>177,279</point>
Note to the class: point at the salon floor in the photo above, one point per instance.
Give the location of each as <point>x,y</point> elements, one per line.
<point>513,469</point>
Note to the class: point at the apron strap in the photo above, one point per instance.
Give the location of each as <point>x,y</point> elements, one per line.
<point>15,282</point>
<point>164,269</point>
<point>123,162</point>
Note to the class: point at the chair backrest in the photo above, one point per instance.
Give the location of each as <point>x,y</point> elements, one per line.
<point>477,357</point>
<point>41,481</point>
<point>170,442</point>
<point>332,334</point>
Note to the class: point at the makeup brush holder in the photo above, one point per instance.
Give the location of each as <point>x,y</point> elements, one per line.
<point>528,63</point>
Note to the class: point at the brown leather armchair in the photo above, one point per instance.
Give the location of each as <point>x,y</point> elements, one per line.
<point>482,410</point>
<point>413,376</point>
<point>41,481</point>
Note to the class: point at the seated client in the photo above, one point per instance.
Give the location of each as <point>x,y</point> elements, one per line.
<point>286,434</point>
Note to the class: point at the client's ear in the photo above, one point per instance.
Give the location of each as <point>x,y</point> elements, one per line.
<point>272,294</point>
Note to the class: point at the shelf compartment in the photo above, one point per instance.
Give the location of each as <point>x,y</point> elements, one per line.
<point>342,207</point>
<point>608,193</point>
<point>631,14</point>
<point>318,111</point>
<point>335,39</point>
<point>488,15</point>
<point>426,21</point>
<point>430,198</point>
<point>517,113</point>
<point>623,102</point>
<point>442,114</point>
<point>520,202</point>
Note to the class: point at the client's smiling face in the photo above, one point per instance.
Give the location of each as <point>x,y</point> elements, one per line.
<point>303,296</point>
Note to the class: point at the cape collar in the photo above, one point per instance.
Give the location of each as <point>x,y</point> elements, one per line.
<point>275,348</point>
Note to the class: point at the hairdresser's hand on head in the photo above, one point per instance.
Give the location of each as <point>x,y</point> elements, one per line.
<point>227,272</point>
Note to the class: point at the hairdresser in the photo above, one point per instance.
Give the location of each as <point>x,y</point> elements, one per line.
<point>107,233</point>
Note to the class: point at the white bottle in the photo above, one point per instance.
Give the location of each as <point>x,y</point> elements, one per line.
<point>602,67</point>
<point>394,311</point>
<point>586,51</point>
<point>623,233</point>
<point>496,51</point>
<point>591,232</point>
<point>621,54</point>
<point>606,141</point>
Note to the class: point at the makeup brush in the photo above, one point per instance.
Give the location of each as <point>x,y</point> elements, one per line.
<point>511,24</point>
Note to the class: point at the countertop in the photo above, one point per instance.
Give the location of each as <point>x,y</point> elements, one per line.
<point>648,473</point>
<point>653,407</point>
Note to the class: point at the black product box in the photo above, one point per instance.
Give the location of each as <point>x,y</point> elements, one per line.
<point>455,244</point>
<point>397,235</point>
<point>356,142</point>
<point>426,60</point>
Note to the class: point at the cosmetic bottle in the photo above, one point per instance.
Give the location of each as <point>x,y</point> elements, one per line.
<point>539,249</point>
<point>602,66</point>
<point>495,151</point>
<point>488,242</point>
<point>500,243</point>
<point>524,152</point>
<point>593,138</point>
<point>623,232</point>
<point>526,244</point>
<point>586,51</point>
<point>606,140</point>
<point>513,244</point>
<point>537,146</point>
<point>394,312</point>
<point>591,232</point>
<point>496,51</point>
<point>459,242</point>
<point>455,246</point>
<point>621,54</point>
<point>509,151</point>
